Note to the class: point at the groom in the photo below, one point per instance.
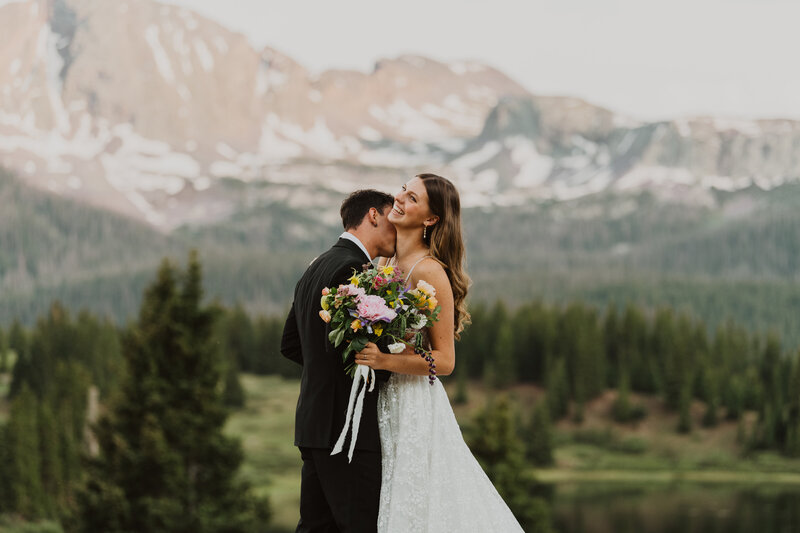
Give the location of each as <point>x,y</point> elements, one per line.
<point>336,496</point>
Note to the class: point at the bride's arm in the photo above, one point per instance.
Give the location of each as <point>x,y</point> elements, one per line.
<point>441,332</point>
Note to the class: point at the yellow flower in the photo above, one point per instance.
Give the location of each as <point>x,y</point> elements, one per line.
<point>388,292</point>
<point>355,325</point>
<point>426,288</point>
<point>378,329</point>
<point>354,280</point>
<point>388,270</point>
<point>324,303</point>
<point>432,303</point>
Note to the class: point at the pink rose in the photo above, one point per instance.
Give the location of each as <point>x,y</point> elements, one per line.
<point>326,291</point>
<point>372,308</point>
<point>350,290</point>
<point>324,315</point>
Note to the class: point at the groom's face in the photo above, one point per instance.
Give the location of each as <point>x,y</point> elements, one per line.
<point>387,235</point>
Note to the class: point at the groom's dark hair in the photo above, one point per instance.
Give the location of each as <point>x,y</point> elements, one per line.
<point>358,204</point>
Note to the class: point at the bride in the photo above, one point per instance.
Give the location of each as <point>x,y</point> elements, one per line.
<point>430,481</point>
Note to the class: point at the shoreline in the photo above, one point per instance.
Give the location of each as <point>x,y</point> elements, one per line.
<point>556,475</point>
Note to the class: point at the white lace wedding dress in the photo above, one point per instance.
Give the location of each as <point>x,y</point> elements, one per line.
<point>430,482</point>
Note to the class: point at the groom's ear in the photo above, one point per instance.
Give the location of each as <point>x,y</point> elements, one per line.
<point>373,216</point>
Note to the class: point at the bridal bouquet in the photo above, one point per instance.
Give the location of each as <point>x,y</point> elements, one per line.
<point>375,307</point>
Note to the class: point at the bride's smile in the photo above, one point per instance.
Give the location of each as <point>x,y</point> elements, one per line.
<point>411,208</point>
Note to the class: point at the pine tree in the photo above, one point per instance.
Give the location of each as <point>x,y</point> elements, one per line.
<point>462,396</point>
<point>667,348</point>
<point>684,410</point>
<point>233,395</point>
<point>238,338</point>
<point>792,446</point>
<point>621,409</point>
<point>771,427</point>
<point>612,346</point>
<point>6,462</point>
<point>558,391</point>
<point>500,367</point>
<point>49,457</point>
<point>24,471</point>
<point>267,358</point>
<point>534,328</point>
<point>540,436</point>
<point>634,352</point>
<point>500,451</point>
<point>3,353</point>
<point>165,464</point>
<point>17,339</point>
<point>475,343</point>
<point>711,394</point>
<point>18,343</point>
<point>734,397</point>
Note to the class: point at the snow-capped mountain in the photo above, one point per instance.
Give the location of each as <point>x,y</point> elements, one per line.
<point>145,108</point>
<point>564,148</point>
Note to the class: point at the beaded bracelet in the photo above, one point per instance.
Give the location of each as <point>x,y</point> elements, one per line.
<point>431,366</point>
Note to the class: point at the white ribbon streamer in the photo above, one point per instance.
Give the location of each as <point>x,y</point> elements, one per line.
<point>355,408</point>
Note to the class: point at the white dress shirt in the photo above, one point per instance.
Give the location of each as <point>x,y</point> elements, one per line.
<point>350,237</point>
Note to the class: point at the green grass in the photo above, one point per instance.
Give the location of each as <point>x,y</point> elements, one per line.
<point>266,429</point>
<point>10,524</point>
<point>595,452</point>
<point>5,383</point>
<point>598,450</point>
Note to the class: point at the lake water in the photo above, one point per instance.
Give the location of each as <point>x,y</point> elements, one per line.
<point>595,508</point>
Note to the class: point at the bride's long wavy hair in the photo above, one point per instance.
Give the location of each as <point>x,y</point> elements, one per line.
<point>446,242</point>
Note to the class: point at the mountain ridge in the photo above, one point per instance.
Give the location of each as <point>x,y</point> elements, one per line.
<point>143,108</point>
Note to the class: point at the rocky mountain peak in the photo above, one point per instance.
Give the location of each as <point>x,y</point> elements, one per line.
<point>145,109</point>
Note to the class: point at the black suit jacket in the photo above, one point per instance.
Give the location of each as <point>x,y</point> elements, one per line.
<point>324,386</point>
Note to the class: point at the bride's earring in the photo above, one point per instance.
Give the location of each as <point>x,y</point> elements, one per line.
<point>424,232</point>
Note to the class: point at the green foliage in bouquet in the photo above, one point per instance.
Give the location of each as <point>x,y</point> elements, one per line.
<point>376,306</point>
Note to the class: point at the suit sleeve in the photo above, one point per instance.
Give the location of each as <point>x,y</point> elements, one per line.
<point>290,341</point>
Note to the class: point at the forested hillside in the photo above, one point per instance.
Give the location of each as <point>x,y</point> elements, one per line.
<point>738,260</point>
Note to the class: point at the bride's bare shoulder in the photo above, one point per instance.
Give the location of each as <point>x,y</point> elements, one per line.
<point>432,271</point>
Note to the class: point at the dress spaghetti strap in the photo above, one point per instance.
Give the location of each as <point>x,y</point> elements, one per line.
<point>408,276</point>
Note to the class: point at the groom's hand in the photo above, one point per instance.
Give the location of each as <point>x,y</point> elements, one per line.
<point>372,357</point>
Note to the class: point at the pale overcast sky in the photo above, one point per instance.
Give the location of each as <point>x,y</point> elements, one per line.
<point>650,59</point>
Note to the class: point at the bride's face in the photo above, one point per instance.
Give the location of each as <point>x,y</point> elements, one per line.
<point>411,206</point>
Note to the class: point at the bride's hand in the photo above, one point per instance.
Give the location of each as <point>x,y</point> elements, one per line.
<point>372,357</point>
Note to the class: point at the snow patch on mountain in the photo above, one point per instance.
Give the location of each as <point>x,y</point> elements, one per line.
<point>478,157</point>
<point>464,67</point>
<point>203,54</point>
<point>534,168</point>
<point>151,36</point>
<point>408,121</point>
<point>268,79</point>
<point>369,134</point>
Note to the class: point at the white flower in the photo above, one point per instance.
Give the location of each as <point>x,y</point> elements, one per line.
<point>397,347</point>
<point>419,322</point>
<point>426,287</point>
